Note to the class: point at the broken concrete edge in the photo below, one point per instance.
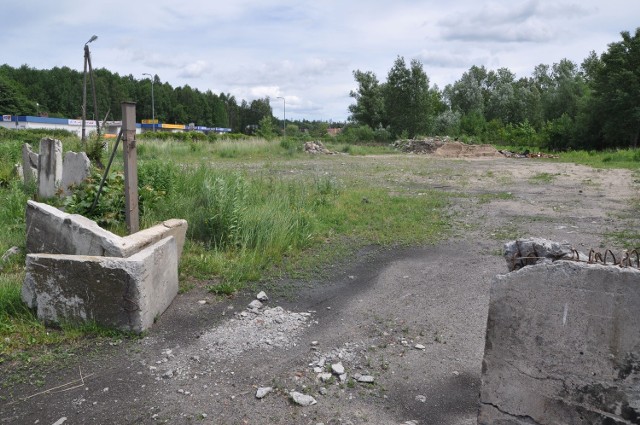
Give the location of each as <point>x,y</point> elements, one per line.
<point>562,345</point>
<point>50,230</point>
<point>525,252</point>
<point>128,294</point>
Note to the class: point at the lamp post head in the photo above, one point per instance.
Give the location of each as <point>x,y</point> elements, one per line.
<point>93,38</point>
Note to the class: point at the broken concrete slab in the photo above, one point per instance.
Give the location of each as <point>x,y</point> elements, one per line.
<point>525,252</point>
<point>124,293</point>
<point>562,346</point>
<point>50,230</point>
<point>30,161</point>
<point>75,169</point>
<point>49,167</point>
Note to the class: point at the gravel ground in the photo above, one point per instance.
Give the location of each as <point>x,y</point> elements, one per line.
<point>406,325</point>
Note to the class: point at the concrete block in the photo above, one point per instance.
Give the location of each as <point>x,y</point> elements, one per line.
<point>50,230</point>
<point>49,167</point>
<point>75,169</point>
<point>563,346</point>
<point>173,227</point>
<point>123,293</point>
<point>30,161</point>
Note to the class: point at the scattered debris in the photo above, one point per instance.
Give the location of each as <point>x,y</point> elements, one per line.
<point>11,252</point>
<point>526,154</point>
<point>527,252</point>
<point>262,296</point>
<point>317,147</point>
<point>263,391</point>
<point>302,399</point>
<point>445,147</point>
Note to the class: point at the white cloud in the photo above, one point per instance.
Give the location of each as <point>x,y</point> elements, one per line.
<point>303,50</point>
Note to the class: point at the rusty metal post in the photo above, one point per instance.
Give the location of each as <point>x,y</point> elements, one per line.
<point>130,166</point>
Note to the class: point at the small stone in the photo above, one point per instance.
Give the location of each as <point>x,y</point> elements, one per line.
<point>302,399</point>
<point>202,302</point>
<point>324,377</point>
<point>317,369</point>
<point>14,250</point>
<point>455,373</point>
<point>168,374</point>
<point>314,343</point>
<point>419,347</point>
<point>343,377</point>
<point>366,379</point>
<point>263,391</point>
<point>322,391</point>
<point>421,398</point>
<point>262,296</point>
<point>337,368</point>
<point>255,305</point>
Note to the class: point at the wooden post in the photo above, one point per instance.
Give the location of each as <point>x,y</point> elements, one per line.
<point>130,166</point>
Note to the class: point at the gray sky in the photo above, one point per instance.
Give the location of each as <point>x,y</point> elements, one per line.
<point>305,50</point>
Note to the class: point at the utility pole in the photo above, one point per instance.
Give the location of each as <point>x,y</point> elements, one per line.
<point>87,61</point>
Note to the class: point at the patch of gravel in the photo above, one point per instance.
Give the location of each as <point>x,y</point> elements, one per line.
<point>257,329</point>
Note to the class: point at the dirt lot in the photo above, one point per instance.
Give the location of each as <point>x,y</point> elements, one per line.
<point>411,318</point>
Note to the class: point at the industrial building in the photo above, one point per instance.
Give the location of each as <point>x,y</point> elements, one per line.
<point>109,128</point>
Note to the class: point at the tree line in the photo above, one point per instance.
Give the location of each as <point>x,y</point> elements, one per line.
<point>58,93</point>
<point>594,105</point>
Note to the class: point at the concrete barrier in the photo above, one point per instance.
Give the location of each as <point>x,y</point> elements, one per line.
<point>123,293</point>
<point>563,346</point>
<point>78,272</point>
<point>52,231</point>
<point>49,167</point>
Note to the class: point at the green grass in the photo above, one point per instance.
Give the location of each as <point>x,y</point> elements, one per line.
<point>542,178</point>
<point>621,158</point>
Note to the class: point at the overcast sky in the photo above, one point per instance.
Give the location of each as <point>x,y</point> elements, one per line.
<point>305,50</point>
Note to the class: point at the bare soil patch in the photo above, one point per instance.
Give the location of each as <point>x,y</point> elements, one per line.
<point>413,318</point>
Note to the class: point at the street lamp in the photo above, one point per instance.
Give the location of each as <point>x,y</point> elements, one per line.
<point>87,61</point>
<point>284,114</point>
<point>153,103</point>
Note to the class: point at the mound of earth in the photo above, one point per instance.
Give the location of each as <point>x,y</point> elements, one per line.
<point>445,148</point>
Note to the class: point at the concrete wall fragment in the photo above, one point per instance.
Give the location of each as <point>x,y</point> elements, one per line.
<point>30,161</point>
<point>75,169</point>
<point>49,167</point>
<point>50,230</point>
<point>123,293</point>
<point>563,346</point>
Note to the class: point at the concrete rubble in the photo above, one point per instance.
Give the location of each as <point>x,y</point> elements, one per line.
<point>79,272</point>
<point>53,175</point>
<point>317,147</point>
<point>562,342</point>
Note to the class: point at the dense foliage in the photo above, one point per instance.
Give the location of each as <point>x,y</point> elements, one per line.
<point>564,106</point>
<point>58,93</point>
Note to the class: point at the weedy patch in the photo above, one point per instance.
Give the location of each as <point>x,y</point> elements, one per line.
<point>543,178</point>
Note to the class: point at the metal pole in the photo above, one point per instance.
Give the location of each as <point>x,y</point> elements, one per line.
<point>84,94</point>
<point>93,91</point>
<point>130,166</point>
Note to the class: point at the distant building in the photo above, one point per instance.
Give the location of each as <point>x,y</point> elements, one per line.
<point>109,128</point>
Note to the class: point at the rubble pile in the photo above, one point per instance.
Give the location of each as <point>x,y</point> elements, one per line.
<point>317,147</point>
<point>444,147</point>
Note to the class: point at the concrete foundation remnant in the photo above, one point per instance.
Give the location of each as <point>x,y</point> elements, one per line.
<point>78,272</point>
<point>75,169</point>
<point>49,167</point>
<point>30,161</point>
<point>562,346</point>
<point>123,293</point>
